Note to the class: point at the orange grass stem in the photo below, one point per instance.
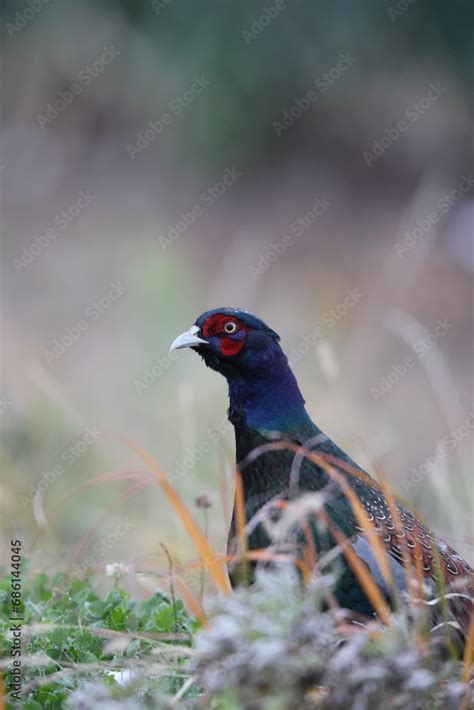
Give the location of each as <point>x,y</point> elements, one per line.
<point>210,558</point>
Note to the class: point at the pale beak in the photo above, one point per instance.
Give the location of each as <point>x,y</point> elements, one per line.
<point>189,339</point>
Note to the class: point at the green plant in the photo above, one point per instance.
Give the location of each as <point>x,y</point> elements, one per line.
<point>72,636</point>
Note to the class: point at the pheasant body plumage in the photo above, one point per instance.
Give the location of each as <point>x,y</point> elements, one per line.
<point>274,433</point>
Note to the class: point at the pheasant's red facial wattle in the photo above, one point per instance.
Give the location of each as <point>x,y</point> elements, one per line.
<point>231,331</point>
<point>231,347</point>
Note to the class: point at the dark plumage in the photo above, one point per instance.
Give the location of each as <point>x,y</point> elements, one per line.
<point>267,408</point>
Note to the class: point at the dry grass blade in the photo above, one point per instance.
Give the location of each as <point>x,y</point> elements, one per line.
<point>240,519</point>
<point>304,569</point>
<point>212,561</point>
<point>373,538</point>
<point>240,522</point>
<point>192,602</point>
<point>469,651</point>
<point>182,691</point>
<point>73,669</point>
<point>371,590</point>
<point>309,551</point>
<point>102,632</point>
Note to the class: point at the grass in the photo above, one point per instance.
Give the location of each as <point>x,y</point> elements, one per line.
<point>274,645</point>
<point>282,642</point>
<point>72,634</point>
<point>278,646</point>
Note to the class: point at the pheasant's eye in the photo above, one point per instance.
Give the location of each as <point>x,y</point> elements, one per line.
<point>230,327</point>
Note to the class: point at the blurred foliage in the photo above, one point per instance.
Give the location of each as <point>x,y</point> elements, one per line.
<point>251,83</point>
<point>268,648</point>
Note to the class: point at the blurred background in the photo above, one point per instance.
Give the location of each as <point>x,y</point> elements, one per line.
<point>306,160</point>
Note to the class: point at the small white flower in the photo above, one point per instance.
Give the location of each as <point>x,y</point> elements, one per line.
<point>116,569</point>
